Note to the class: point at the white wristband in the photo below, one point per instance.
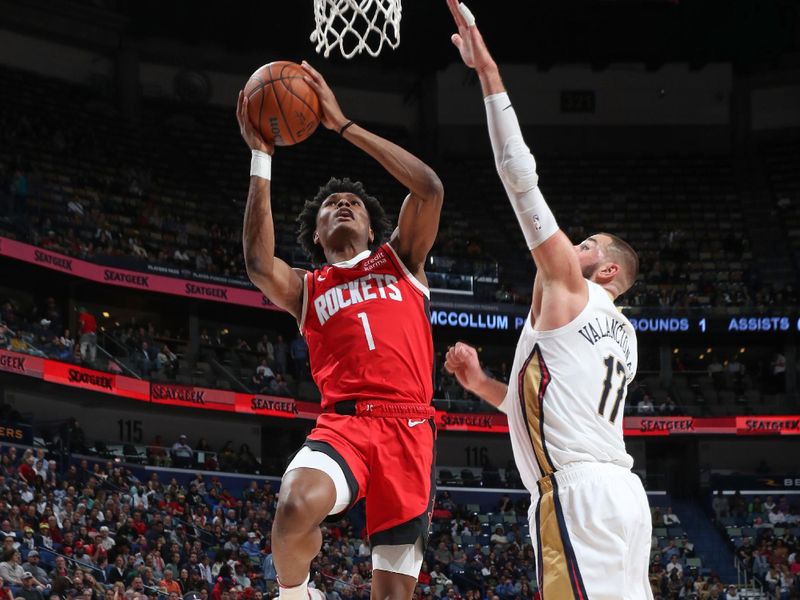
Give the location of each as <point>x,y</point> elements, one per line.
<point>261,165</point>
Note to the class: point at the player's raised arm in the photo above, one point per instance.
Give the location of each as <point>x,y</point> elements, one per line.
<point>462,361</point>
<point>418,222</point>
<point>553,253</point>
<point>277,280</point>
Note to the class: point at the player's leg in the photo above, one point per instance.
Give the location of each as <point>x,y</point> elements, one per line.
<point>306,497</point>
<point>399,503</point>
<point>581,534</point>
<point>395,570</point>
<point>318,482</point>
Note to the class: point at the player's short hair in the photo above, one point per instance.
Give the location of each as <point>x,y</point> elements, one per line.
<point>307,220</point>
<point>626,257</point>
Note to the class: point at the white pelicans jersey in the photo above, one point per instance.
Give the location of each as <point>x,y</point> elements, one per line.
<point>567,390</point>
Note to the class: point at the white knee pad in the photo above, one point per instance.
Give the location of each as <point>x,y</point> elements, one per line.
<point>405,559</point>
<point>313,459</point>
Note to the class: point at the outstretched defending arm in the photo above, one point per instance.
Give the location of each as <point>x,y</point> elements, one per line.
<point>418,222</point>
<point>552,251</point>
<point>276,279</point>
<point>462,361</point>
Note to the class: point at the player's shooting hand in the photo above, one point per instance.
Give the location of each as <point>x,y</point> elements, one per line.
<point>462,361</point>
<point>250,134</point>
<point>469,41</point>
<point>332,116</point>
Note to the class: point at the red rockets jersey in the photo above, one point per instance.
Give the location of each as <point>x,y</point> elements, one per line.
<point>367,326</point>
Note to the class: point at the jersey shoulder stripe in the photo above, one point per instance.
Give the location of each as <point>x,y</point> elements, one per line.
<point>534,377</point>
<point>401,267</point>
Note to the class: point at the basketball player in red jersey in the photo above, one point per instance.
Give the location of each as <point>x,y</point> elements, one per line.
<point>365,318</point>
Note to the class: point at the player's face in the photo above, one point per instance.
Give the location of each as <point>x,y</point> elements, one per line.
<point>342,216</point>
<point>590,255</point>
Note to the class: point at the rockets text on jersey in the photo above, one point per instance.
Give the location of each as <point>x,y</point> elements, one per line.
<point>367,326</point>
<point>368,287</point>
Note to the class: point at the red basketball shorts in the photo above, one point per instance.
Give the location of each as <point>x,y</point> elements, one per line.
<point>390,462</point>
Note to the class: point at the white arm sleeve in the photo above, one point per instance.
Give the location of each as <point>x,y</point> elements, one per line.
<point>517,169</point>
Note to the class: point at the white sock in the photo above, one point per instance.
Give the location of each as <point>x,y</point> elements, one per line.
<point>298,592</point>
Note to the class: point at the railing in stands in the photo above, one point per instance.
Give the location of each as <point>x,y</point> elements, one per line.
<point>750,585</point>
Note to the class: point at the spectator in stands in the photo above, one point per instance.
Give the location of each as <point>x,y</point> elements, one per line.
<point>87,331</point>
<point>731,593</point>
<point>505,505</point>
<point>777,516</point>
<point>499,537</point>
<point>773,580</point>
<point>720,505</point>
<point>265,374</point>
<point>144,359</point>
<point>63,347</point>
<point>778,367</point>
<point>227,457</point>
<point>167,362</point>
<point>281,355</point>
<point>443,554</point>
<point>736,371</point>
<point>716,371</point>
<point>32,566</point>
<point>298,351</point>
<point>738,505</point>
<point>668,407</point>
<point>26,470</point>
<point>671,550</point>
<point>265,347</point>
<point>671,518</point>
<point>252,546</point>
<point>182,453</point>
<point>156,452</point>
<point>169,584</point>
<point>645,406</point>
<point>103,540</point>
<point>279,387</point>
<point>28,591</point>
<point>28,542</point>
<point>674,565</point>
<point>11,568</point>
<point>246,460</point>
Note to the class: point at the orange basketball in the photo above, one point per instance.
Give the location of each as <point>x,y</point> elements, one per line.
<point>282,106</point>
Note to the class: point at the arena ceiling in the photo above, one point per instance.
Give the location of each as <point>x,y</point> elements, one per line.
<point>545,32</point>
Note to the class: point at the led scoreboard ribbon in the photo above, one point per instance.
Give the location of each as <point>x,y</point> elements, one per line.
<point>716,324</point>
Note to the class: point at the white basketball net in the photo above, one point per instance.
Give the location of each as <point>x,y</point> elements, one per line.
<point>356,25</point>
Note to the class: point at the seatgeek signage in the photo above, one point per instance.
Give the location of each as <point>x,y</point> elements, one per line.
<point>207,399</point>
<point>132,279</point>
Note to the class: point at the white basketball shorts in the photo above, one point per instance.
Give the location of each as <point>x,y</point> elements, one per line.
<point>591,528</point>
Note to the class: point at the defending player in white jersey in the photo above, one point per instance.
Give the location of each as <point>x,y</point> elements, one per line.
<point>590,519</point>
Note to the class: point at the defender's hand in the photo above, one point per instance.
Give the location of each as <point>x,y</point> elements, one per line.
<point>462,361</point>
<point>250,134</point>
<point>469,41</point>
<point>332,116</point>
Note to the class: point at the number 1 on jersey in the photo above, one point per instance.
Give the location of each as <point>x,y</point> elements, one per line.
<point>609,362</point>
<point>367,330</point>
